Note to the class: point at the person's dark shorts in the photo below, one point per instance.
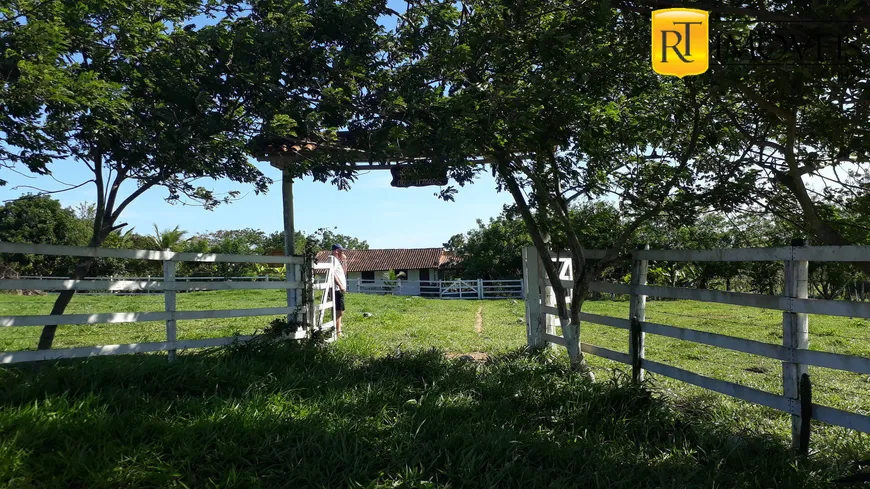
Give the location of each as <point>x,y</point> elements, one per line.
<point>339,300</point>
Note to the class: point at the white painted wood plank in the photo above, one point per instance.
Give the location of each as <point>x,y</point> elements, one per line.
<point>722,341</point>
<point>831,308</point>
<point>849,363</point>
<point>103,318</point>
<point>732,254</point>
<point>795,337</point>
<point>605,287</point>
<point>853,421</point>
<point>136,285</point>
<point>801,253</point>
<point>723,387</point>
<point>43,249</point>
<point>117,285</point>
<point>535,317</point>
<point>832,253</point>
<point>298,334</point>
<point>616,356</point>
<point>836,361</point>
<point>606,320</point>
<point>610,288</point>
<point>169,304</point>
<point>556,340</point>
<point>137,317</point>
<point>808,306</point>
<point>718,296</point>
<point>92,351</point>
<point>588,254</point>
<point>324,306</point>
<point>327,326</point>
<point>593,318</point>
<point>237,285</point>
<point>234,313</point>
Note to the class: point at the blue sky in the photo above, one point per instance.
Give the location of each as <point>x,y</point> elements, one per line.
<point>386,217</point>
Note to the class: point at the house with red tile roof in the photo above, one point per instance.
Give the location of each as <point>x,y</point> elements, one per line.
<point>419,265</point>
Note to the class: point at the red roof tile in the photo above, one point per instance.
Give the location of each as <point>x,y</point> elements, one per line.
<point>393,259</point>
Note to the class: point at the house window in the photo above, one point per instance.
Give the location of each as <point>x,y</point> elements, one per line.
<point>368,276</point>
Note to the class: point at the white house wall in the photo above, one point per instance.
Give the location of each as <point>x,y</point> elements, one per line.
<point>410,285</point>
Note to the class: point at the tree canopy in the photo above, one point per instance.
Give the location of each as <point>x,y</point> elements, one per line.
<point>558,98</point>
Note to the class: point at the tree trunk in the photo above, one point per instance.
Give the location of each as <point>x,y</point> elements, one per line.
<point>571,329</point>
<point>571,332</point>
<point>46,339</point>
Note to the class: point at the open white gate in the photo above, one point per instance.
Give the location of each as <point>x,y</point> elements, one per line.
<point>327,300</point>
<point>459,289</point>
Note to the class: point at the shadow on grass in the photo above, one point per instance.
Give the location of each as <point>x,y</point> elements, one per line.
<point>292,415</point>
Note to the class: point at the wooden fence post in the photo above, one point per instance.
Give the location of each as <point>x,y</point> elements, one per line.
<point>290,275</point>
<point>298,271</point>
<point>806,414</point>
<point>480,288</point>
<point>795,336</point>
<point>637,314</point>
<point>534,315</point>
<point>169,303</point>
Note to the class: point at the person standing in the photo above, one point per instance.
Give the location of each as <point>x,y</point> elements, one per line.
<point>340,289</point>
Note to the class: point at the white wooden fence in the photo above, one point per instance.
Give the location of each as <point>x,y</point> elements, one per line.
<point>169,286</point>
<point>443,289</point>
<point>541,320</point>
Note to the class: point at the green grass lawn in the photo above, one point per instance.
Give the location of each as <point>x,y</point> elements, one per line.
<point>381,409</point>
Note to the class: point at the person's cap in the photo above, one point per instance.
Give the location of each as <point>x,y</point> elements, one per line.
<point>337,247</point>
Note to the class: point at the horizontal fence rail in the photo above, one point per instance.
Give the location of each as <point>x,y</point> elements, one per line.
<point>139,317</point>
<point>802,253</point>
<point>542,320</point>
<point>132,285</point>
<point>83,251</point>
<point>444,289</point>
<point>168,285</point>
<point>790,304</point>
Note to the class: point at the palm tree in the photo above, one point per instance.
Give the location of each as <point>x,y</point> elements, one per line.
<point>169,238</point>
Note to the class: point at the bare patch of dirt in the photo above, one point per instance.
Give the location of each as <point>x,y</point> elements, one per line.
<point>478,324</point>
<point>474,356</point>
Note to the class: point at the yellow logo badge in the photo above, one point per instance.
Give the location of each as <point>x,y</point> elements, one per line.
<point>680,41</point>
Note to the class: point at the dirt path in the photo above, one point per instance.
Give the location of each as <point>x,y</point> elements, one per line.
<point>478,324</point>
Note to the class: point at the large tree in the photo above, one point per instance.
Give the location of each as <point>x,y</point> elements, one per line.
<point>801,99</point>
<point>39,219</point>
<point>142,98</point>
<point>561,100</point>
<point>493,250</point>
